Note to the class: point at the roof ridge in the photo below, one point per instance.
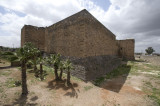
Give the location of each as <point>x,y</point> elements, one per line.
<point>84,10</point>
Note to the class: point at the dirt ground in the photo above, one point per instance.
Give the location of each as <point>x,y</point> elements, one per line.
<point>125,90</point>
<point>155,60</point>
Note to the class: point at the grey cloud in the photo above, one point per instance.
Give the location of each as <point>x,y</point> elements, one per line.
<point>139,19</point>
<point>139,16</point>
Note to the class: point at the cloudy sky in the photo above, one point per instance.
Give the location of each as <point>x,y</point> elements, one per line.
<point>138,19</point>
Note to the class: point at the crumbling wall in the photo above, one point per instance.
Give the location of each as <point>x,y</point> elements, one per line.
<point>126,49</point>
<point>35,35</point>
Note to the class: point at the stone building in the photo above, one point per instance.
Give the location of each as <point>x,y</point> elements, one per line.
<point>80,35</point>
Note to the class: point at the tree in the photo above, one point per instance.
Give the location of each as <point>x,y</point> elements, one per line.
<point>61,67</point>
<point>41,61</point>
<point>35,54</point>
<point>68,66</point>
<point>25,54</point>
<point>55,60</point>
<point>149,50</point>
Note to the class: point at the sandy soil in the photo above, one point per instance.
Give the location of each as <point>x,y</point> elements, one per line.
<point>127,94</point>
<point>124,90</point>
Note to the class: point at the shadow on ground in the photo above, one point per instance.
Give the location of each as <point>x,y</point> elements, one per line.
<point>6,67</point>
<point>117,78</point>
<point>60,84</point>
<point>22,101</point>
<point>90,68</point>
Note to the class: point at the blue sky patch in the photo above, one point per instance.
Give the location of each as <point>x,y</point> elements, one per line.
<point>4,11</point>
<point>117,7</point>
<point>104,4</point>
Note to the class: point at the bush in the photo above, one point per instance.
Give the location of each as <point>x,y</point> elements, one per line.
<point>12,58</point>
<point>8,53</point>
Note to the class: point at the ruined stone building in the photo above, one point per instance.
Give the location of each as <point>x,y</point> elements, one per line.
<point>80,35</point>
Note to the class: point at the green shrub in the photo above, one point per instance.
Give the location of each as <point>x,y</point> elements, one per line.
<point>8,53</point>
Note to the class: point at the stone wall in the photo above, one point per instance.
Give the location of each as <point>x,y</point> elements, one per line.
<point>67,36</point>
<point>23,36</point>
<point>98,40</point>
<point>80,35</point>
<point>90,68</point>
<point>33,34</point>
<point>15,63</point>
<point>66,40</point>
<point>126,49</point>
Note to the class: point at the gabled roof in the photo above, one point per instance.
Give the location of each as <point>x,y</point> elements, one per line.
<point>76,17</point>
<point>73,17</point>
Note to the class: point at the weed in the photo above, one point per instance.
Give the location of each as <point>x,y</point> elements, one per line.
<point>148,84</point>
<point>75,78</point>
<point>3,95</point>
<point>98,81</point>
<point>19,68</point>
<point>48,69</point>
<point>5,73</point>
<point>155,98</point>
<point>1,90</point>
<point>53,91</point>
<point>32,93</point>
<point>12,83</point>
<point>121,70</point>
<point>152,66</point>
<point>158,76</point>
<point>86,88</point>
<point>33,81</point>
<point>153,92</point>
<point>17,83</point>
<point>17,93</point>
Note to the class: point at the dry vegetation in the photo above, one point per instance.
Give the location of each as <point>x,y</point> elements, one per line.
<point>155,60</point>
<point>136,83</point>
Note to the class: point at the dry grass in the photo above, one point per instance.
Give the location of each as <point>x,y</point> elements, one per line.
<point>136,83</point>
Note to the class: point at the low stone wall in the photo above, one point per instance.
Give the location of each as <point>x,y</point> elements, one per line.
<point>15,63</point>
<point>91,68</point>
<point>101,66</point>
<point>79,72</point>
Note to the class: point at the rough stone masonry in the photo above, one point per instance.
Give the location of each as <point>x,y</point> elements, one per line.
<point>83,37</point>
